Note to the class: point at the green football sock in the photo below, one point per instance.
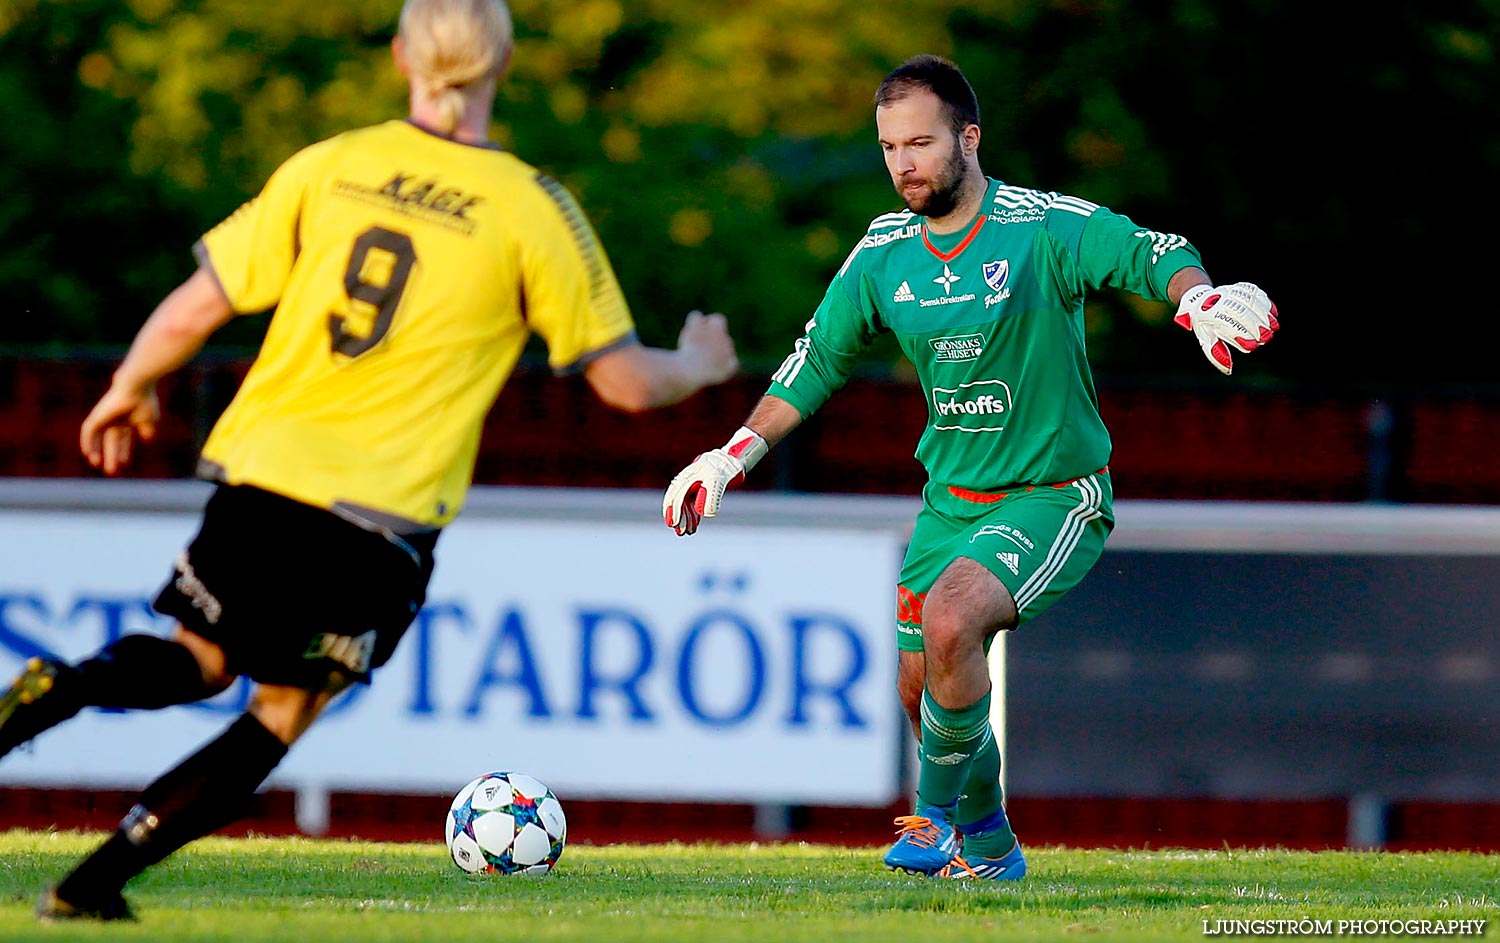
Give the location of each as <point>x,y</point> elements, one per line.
<point>982,794</point>
<point>950,741</point>
<point>986,833</point>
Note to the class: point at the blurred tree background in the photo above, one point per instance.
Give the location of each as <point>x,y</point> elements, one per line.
<point>726,151</point>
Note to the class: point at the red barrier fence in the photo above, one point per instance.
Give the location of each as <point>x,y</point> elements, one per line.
<point>1203,823</point>
<point>1199,443</point>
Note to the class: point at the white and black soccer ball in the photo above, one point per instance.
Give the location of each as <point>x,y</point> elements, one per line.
<point>506,823</point>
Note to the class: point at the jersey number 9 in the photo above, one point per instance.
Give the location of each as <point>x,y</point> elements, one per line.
<point>383,297</point>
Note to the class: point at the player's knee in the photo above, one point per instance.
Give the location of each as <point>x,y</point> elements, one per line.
<point>288,711</point>
<point>279,714</point>
<point>969,600</point>
<point>946,631</point>
<point>210,657</point>
<point>942,640</point>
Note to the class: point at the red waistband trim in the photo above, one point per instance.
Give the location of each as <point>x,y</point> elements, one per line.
<point>993,497</point>
<point>978,497</point>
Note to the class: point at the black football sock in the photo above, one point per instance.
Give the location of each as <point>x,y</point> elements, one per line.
<point>142,672</point>
<point>43,695</point>
<point>204,793</point>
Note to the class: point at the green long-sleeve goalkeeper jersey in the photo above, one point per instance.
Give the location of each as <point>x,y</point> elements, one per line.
<point>992,319</point>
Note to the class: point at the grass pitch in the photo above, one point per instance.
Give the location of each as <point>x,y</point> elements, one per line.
<point>256,889</point>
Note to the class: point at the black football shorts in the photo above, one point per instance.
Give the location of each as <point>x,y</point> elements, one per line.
<point>293,592</point>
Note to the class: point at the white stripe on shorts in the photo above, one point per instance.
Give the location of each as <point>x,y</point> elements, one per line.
<point>1073,527</point>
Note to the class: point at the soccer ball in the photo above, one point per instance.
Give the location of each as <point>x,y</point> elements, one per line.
<point>505,823</point>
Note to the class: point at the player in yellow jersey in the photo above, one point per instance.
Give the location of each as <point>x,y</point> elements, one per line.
<point>405,264</point>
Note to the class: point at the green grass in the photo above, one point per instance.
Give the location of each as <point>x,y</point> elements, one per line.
<point>246,890</point>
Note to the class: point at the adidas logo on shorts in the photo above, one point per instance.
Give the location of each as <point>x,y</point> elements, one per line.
<point>1012,562</point>
<point>947,759</point>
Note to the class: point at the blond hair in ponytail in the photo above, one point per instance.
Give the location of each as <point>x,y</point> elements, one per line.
<point>451,44</point>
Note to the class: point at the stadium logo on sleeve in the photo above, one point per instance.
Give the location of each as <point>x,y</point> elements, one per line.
<point>875,240</point>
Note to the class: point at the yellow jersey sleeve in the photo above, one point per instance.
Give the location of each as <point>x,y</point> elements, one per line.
<point>251,253</point>
<point>571,297</point>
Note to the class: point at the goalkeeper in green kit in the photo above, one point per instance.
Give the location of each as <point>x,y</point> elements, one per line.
<point>983,285</point>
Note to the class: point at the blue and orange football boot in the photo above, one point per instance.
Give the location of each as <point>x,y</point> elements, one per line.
<point>1010,866</point>
<point>926,842</point>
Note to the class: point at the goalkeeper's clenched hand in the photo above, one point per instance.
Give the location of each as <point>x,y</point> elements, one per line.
<point>1238,316</point>
<point>697,490</point>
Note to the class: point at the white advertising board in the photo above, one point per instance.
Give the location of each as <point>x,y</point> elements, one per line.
<point>609,658</point>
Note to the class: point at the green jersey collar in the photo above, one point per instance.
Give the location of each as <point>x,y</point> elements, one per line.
<point>949,246</point>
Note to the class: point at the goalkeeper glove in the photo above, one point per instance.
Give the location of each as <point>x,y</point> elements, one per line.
<point>697,490</point>
<point>1238,316</point>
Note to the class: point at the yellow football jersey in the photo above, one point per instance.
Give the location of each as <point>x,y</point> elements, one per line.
<point>406,271</point>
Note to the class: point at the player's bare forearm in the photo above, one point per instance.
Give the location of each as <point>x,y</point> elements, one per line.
<point>635,378</point>
<point>1184,280</point>
<point>175,332</point>
<point>129,410</point>
<point>773,419</point>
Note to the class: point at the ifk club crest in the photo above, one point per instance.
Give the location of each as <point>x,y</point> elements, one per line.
<point>996,274</point>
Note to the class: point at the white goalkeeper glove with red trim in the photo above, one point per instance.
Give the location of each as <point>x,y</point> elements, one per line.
<point>1237,316</point>
<point>697,490</point>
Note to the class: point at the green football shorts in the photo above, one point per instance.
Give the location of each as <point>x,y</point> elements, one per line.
<point>1039,540</point>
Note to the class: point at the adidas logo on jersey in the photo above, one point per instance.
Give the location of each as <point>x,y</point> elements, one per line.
<point>904,293</point>
<point>1012,562</point>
